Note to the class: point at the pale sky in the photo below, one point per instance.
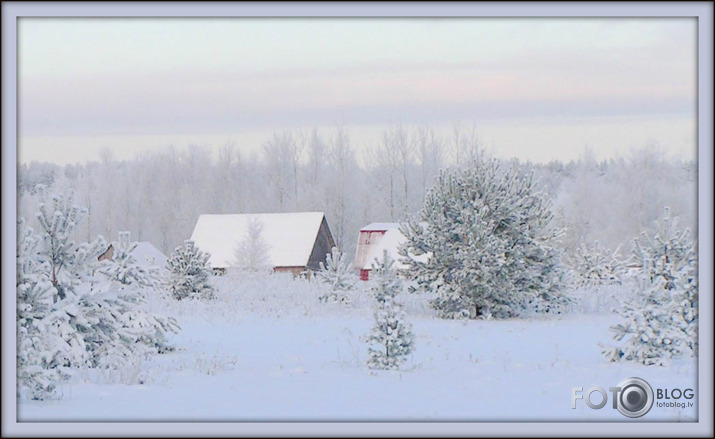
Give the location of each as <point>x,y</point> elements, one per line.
<point>537,89</point>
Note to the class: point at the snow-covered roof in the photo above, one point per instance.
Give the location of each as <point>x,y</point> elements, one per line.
<point>390,241</point>
<point>379,227</point>
<point>147,255</point>
<point>289,237</point>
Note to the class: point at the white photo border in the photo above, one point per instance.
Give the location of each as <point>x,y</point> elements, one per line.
<point>703,11</point>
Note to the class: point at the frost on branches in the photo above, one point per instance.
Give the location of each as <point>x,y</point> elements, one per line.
<point>64,260</point>
<point>189,273</point>
<point>391,339</point>
<point>35,295</point>
<point>337,275</point>
<point>69,315</point>
<point>595,266</point>
<point>490,242</point>
<point>251,253</point>
<point>662,322</point>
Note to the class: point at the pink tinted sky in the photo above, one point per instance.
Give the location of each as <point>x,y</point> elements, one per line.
<point>538,89</point>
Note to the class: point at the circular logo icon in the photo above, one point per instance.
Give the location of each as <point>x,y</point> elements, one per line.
<point>636,397</point>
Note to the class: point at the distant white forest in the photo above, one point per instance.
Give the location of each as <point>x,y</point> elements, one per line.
<point>158,196</point>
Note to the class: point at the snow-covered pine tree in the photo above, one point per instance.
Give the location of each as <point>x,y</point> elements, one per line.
<point>595,266</point>
<point>337,275</point>
<point>488,235</point>
<point>93,323</point>
<point>391,339</point>
<point>686,298</point>
<point>58,218</point>
<point>189,273</point>
<point>662,321</point>
<point>124,267</point>
<point>34,298</point>
<point>251,253</point>
<point>114,327</point>
<point>56,259</point>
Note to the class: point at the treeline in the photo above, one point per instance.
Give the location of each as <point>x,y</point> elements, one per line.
<point>158,196</point>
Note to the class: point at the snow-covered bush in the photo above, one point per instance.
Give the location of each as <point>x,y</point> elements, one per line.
<point>595,266</point>
<point>662,322</point>
<point>189,273</point>
<point>67,317</point>
<point>391,339</point>
<point>336,275</point>
<point>124,267</point>
<point>490,244</point>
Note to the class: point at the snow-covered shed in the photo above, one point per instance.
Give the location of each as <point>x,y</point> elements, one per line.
<point>376,238</point>
<point>373,240</point>
<point>147,255</point>
<point>294,242</point>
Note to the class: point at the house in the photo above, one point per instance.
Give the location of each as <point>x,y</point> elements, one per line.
<point>373,240</point>
<point>148,256</point>
<point>376,238</point>
<point>293,242</point>
<point>108,254</point>
<point>144,253</point>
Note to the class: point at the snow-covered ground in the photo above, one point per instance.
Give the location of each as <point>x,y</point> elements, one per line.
<point>270,351</point>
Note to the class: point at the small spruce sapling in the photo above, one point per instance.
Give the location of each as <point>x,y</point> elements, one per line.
<point>661,323</point>
<point>189,274</point>
<point>337,275</point>
<point>391,339</point>
<point>594,266</point>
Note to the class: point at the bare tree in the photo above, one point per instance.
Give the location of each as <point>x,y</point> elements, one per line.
<point>282,155</point>
<point>226,193</point>
<point>466,144</point>
<point>429,155</point>
<point>340,185</point>
<point>316,157</point>
<point>385,161</point>
<point>160,194</point>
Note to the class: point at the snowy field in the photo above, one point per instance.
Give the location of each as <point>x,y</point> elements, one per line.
<point>270,351</point>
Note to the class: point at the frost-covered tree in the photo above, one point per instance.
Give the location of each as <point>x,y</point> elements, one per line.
<point>34,298</point>
<point>337,275</point>
<point>391,339</point>
<point>251,253</point>
<point>157,195</point>
<point>662,321</point>
<point>95,322</point>
<point>124,267</point>
<point>49,267</point>
<point>114,327</point>
<point>189,273</point>
<point>58,218</point>
<point>490,244</point>
<point>595,266</point>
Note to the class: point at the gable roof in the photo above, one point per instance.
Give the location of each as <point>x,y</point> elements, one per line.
<point>390,241</point>
<point>289,237</point>
<point>146,255</point>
